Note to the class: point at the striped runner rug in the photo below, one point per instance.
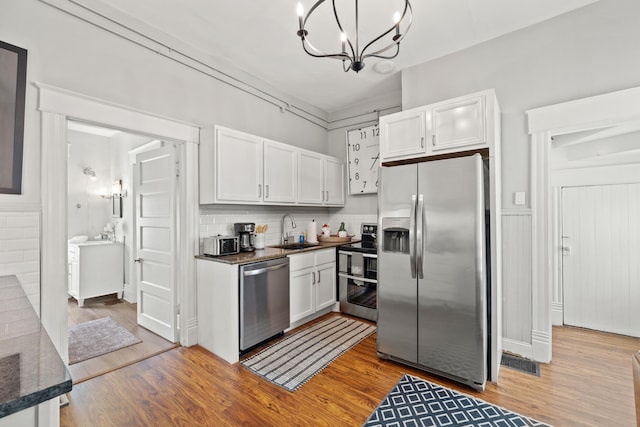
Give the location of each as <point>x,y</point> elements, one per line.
<point>295,359</point>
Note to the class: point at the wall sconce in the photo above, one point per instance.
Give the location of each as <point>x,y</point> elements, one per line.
<point>116,189</point>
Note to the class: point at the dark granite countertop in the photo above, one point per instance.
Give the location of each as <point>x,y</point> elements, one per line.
<point>268,253</point>
<point>31,370</point>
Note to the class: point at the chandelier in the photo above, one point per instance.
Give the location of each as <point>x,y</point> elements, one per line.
<point>351,55</point>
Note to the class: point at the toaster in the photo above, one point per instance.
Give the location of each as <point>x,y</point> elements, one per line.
<point>220,245</point>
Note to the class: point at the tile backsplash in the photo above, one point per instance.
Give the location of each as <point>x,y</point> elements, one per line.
<point>220,219</point>
<point>20,251</point>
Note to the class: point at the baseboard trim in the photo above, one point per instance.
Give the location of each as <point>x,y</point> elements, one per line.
<point>557,316</point>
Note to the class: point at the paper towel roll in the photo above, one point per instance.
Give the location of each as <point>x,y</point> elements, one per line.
<point>312,232</point>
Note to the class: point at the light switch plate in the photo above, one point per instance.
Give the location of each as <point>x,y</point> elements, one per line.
<point>518,198</point>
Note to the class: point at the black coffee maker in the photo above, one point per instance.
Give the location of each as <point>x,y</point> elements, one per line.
<point>245,231</point>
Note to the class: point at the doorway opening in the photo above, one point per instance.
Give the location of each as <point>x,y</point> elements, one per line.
<point>57,106</point>
<point>104,256</point>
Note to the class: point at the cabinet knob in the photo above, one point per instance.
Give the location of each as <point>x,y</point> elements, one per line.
<point>137,260</point>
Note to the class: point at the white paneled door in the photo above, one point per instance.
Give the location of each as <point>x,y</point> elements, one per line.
<point>601,257</point>
<point>155,175</point>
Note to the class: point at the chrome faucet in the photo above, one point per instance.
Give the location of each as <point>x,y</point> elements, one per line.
<point>283,240</point>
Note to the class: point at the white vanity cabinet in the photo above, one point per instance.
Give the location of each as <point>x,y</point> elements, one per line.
<point>469,122</point>
<point>320,179</point>
<point>96,268</point>
<point>312,284</point>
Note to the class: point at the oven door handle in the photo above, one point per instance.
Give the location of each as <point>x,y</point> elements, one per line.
<point>358,278</point>
<point>364,254</point>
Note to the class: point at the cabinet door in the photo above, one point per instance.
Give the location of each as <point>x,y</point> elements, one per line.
<point>301,294</point>
<point>459,124</point>
<point>333,182</point>
<point>402,135</point>
<point>325,287</point>
<point>310,182</point>
<point>238,167</point>
<point>279,173</point>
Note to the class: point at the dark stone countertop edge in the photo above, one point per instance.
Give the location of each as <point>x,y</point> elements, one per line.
<point>269,253</point>
<point>44,374</point>
<point>33,399</point>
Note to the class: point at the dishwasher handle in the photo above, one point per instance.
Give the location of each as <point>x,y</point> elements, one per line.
<point>263,270</point>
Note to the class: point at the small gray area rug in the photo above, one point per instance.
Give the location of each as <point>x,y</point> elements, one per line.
<point>97,337</point>
<point>416,402</point>
<point>298,357</point>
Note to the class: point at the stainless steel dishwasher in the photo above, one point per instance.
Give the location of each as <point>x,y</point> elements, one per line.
<point>264,301</point>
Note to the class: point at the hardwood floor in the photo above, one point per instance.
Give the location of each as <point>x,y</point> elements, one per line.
<point>125,314</point>
<point>589,383</point>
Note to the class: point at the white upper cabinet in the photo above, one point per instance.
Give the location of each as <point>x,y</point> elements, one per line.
<point>280,180</point>
<point>320,179</point>
<point>402,135</point>
<point>333,182</point>
<point>310,178</point>
<point>240,168</point>
<point>460,124</point>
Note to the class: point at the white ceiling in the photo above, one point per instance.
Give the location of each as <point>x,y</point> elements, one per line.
<point>259,37</point>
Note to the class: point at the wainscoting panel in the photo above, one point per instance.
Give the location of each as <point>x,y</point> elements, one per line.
<point>516,276</point>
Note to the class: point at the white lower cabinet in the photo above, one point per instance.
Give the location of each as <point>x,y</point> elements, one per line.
<point>312,283</point>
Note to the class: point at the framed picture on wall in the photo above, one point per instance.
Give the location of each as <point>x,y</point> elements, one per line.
<point>13,82</point>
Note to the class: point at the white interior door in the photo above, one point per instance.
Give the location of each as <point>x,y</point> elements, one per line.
<point>155,176</point>
<point>601,253</point>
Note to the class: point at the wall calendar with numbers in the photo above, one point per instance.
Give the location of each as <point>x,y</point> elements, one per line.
<point>363,159</point>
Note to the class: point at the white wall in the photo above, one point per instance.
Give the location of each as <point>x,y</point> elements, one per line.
<point>88,211</point>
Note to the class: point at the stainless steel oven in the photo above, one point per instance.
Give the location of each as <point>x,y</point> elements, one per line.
<point>358,275</point>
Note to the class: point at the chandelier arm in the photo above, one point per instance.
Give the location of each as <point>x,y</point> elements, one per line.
<point>396,41</point>
<point>318,54</point>
<point>335,14</point>
<point>376,55</point>
<point>314,7</point>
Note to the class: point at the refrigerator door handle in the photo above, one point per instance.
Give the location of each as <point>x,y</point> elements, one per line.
<point>420,236</point>
<point>412,237</point>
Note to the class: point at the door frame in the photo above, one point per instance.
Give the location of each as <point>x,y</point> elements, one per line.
<point>543,124</point>
<point>56,105</point>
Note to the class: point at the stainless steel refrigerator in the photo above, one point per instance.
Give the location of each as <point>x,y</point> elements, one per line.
<point>432,270</point>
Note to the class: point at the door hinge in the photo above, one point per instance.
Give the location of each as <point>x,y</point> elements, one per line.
<point>177,168</point>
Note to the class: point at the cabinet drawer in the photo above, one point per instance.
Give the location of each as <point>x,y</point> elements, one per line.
<point>301,261</point>
<point>324,256</point>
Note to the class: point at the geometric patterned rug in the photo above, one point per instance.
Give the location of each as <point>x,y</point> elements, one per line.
<point>414,402</point>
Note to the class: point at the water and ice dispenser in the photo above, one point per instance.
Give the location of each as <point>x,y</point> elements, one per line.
<point>395,235</point>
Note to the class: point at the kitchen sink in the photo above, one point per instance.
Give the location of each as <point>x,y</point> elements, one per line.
<point>294,245</point>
